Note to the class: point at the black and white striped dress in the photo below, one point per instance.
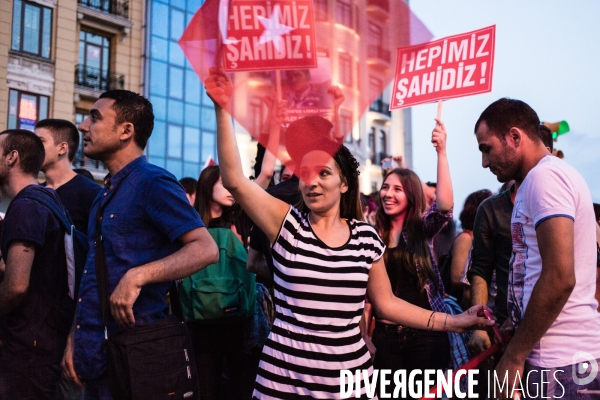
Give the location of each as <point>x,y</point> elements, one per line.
<point>319,298</point>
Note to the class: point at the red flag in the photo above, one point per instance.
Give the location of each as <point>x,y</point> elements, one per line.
<point>355,40</point>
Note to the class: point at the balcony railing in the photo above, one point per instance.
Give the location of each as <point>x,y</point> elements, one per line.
<point>379,52</point>
<point>383,4</point>
<point>377,157</point>
<point>114,7</point>
<point>97,79</point>
<point>381,107</point>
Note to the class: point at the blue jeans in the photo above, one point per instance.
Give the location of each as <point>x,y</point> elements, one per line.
<point>559,383</point>
<point>97,389</point>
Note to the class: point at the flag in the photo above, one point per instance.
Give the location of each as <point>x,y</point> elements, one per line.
<point>323,43</point>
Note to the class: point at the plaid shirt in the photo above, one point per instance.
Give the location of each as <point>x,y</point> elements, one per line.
<point>433,222</point>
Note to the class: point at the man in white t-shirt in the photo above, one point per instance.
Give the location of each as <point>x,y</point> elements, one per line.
<point>552,277</point>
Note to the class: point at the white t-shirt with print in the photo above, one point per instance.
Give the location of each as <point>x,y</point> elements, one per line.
<point>555,189</point>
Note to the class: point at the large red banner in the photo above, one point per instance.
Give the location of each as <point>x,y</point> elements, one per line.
<point>267,34</point>
<point>359,64</point>
<point>455,66</point>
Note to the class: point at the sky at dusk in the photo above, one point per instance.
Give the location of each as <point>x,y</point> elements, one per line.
<point>547,54</point>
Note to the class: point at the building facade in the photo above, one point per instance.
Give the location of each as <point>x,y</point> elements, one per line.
<point>58,56</point>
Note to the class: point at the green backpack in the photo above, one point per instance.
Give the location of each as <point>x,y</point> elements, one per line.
<point>222,291</point>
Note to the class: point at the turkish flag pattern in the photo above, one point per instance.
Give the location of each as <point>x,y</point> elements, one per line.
<point>255,37</point>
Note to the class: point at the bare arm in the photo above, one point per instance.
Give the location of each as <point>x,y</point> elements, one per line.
<point>16,278</point>
<point>253,199</point>
<point>479,290</point>
<point>198,250</point>
<point>556,282</point>
<point>390,307</point>
<point>338,98</point>
<point>444,194</point>
<point>460,252</point>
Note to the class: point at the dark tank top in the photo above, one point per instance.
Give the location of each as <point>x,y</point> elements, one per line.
<point>405,284</point>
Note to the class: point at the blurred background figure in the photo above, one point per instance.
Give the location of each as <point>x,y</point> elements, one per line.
<point>462,247</point>
<point>189,184</point>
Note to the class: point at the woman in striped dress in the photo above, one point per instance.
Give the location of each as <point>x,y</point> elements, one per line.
<point>326,259</point>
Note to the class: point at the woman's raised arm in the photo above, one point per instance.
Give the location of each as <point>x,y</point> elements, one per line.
<point>264,210</point>
<point>444,194</point>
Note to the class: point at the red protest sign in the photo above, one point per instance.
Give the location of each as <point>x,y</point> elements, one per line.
<point>267,34</point>
<point>455,66</point>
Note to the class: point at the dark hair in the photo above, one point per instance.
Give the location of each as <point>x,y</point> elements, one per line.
<point>350,205</point>
<point>189,184</point>
<point>30,148</point>
<point>504,114</point>
<point>546,136</point>
<point>472,202</point>
<point>417,249</point>
<point>597,211</point>
<point>204,190</point>
<point>84,172</point>
<point>431,184</point>
<point>134,108</point>
<point>62,131</point>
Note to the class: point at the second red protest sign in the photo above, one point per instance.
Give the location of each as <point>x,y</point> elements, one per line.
<point>455,66</point>
<point>267,34</point>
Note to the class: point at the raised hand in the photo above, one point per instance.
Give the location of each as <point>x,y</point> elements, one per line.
<point>438,136</point>
<point>337,95</point>
<point>219,86</point>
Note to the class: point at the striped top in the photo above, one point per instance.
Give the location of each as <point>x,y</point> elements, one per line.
<point>319,298</point>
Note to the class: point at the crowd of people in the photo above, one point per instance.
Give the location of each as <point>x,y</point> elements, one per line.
<point>284,284</point>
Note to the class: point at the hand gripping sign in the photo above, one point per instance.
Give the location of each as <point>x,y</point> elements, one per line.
<point>455,66</point>
<point>269,34</point>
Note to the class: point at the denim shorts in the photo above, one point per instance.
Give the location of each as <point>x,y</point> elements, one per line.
<point>572,382</point>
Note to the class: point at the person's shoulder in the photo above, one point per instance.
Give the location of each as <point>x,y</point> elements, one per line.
<point>26,207</point>
<point>152,175</point>
<point>551,171</point>
<point>494,201</point>
<point>286,191</point>
<point>84,184</point>
<point>365,229</point>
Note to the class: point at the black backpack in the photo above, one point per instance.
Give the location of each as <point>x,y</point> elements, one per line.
<point>76,242</point>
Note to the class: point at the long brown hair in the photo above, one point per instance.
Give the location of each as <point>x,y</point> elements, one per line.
<point>233,215</point>
<point>204,190</point>
<point>417,248</point>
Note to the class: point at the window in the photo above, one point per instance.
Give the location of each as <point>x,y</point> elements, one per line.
<point>32,28</point>
<point>25,109</point>
<point>346,125</point>
<point>375,87</point>
<point>345,69</point>
<point>320,8</point>
<point>343,13</point>
<point>375,35</point>
<point>382,145</point>
<point>94,61</point>
<point>372,145</point>
<point>255,108</point>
